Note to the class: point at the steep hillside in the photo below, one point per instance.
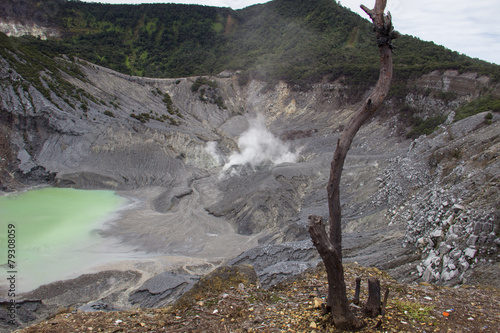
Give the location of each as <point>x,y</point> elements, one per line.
<point>296,41</point>
<point>295,305</point>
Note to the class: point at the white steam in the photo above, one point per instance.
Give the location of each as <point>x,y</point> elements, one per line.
<point>257,145</point>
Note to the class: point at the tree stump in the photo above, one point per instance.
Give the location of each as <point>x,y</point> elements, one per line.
<point>357,291</point>
<point>384,303</point>
<point>372,308</point>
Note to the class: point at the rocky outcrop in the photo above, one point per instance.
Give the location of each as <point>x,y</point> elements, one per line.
<point>469,85</point>
<point>85,288</point>
<point>276,263</point>
<point>65,296</point>
<point>14,315</point>
<point>440,93</point>
<point>450,209</point>
<point>220,279</point>
<point>16,29</point>
<point>162,289</point>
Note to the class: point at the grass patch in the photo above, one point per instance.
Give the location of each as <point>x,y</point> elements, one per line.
<point>414,310</point>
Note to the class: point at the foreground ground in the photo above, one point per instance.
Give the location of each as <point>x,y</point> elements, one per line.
<point>295,306</point>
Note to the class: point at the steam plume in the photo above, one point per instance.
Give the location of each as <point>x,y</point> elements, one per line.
<point>258,145</point>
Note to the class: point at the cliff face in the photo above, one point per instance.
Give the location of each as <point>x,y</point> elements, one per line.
<point>436,194</point>
<point>33,17</point>
<point>468,85</point>
<point>16,29</point>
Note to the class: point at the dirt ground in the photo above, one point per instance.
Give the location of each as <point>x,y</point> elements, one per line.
<point>295,306</point>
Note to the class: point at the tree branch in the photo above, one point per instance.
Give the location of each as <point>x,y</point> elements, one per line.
<point>385,33</point>
<point>320,238</point>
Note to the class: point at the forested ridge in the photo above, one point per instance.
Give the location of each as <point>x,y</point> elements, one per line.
<point>300,42</point>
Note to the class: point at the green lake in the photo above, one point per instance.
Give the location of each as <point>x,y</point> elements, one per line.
<point>56,233</point>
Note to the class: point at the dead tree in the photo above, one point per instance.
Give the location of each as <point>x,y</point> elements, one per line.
<point>330,246</point>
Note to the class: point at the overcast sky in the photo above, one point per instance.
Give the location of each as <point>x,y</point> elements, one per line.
<point>466,26</point>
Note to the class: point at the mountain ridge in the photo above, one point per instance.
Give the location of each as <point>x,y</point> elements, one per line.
<point>300,43</point>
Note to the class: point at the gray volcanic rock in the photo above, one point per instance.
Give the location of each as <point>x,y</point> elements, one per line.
<point>379,248</point>
<point>162,289</point>
<point>85,288</point>
<point>451,217</point>
<point>276,263</point>
<point>263,198</point>
<point>62,295</point>
<point>264,256</point>
<point>23,312</point>
<point>97,306</point>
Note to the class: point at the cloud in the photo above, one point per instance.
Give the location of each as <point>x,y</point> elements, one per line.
<point>469,27</point>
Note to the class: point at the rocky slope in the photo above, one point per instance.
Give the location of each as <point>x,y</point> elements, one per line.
<point>296,305</point>
<point>187,151</point>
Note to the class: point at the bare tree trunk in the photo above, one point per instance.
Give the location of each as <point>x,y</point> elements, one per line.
<point>357,291</point>
<point>337,301</point>
<point>330,247</point>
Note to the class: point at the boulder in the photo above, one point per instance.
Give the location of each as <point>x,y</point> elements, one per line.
<point>162,289</point>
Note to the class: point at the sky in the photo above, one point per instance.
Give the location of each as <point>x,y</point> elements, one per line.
<point>466,26</point>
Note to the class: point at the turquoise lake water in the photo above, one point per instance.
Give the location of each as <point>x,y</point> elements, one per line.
<point>55,232</point>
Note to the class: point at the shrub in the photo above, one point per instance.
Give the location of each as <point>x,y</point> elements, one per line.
<point>209,92</point>
<point>203,81</point>
<point>426,126</point>
<point>109,114</point>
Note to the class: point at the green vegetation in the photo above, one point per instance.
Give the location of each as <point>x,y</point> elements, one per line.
<point>262,296</point>
<point>414,310</point>
<point>488,118</point>
<point>484,104</point>
<point>142,117</point>
<point>301,42</point>
<point>446,96</point>
<point>424,126</point>
<point>170,106</point>
<point>109,114</point>
<point>169,103</point>
<point>208,91</point>
<point>202,81</point>
<point>145,117</point>
<point>161,40</point>
<point>40,67</point>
